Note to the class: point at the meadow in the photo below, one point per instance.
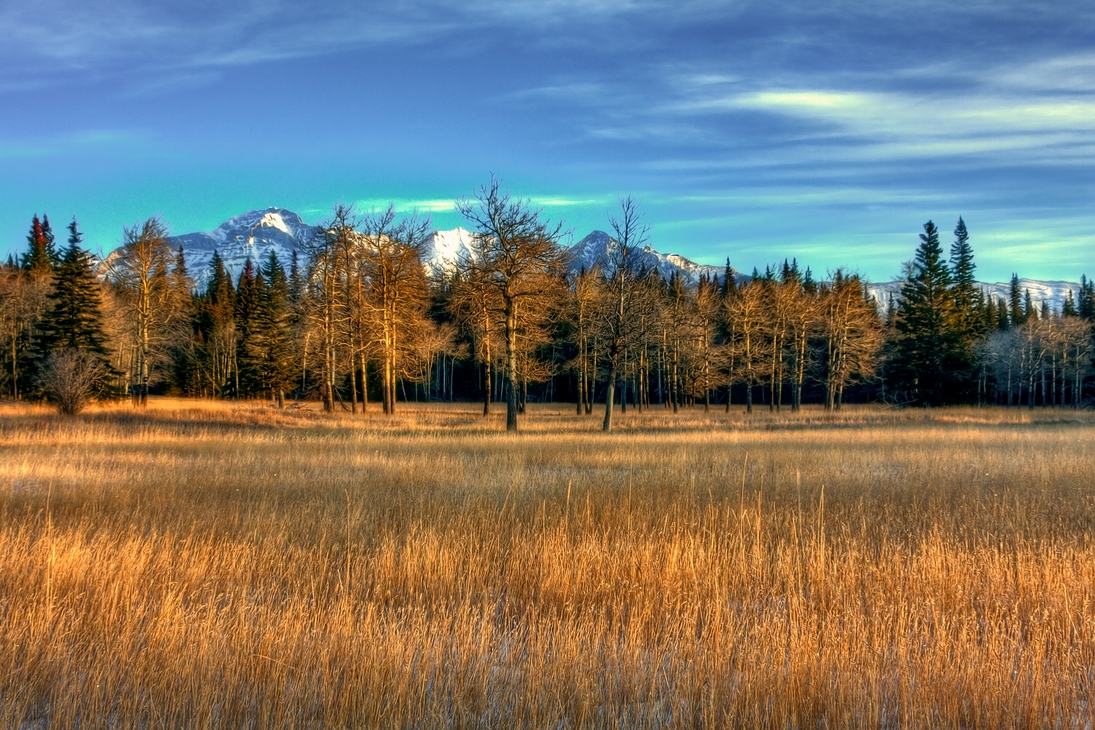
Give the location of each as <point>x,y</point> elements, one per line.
<point>204,565</point>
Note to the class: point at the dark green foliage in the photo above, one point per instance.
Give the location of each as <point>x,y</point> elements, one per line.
<point>1002,321</point>
<point>930,364</point>
<point>1068,309</point>
<point>1016,301</point>
<point>74,318</point>
<point>40,257</point>
<point>249,330</point>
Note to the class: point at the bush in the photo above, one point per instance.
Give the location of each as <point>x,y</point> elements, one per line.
<point>71,379</point>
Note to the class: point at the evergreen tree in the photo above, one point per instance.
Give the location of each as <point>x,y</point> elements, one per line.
<point>39,259</point>
<point>184,360</point>
<point>930,361</point>
<point>277,329</point>
<point>1085,305</point>
<point>51,242</point>
<point>729,285</point>
<point>215,331</point>
<point>964,288</point>
<point>249,331</point>
<point>1002,321</point>
<point>1016,297</point>
<point>1069,307</point>
<point>74,319</point>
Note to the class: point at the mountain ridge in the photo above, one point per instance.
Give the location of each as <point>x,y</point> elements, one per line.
<point>255,233</point>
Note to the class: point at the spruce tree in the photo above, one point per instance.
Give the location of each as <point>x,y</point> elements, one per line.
<point>1085,305</point>
<point>1002,321</point>
<point>1016,301</point>
<point>277,323</point>
<point>39,259</point>
<point>215,332</point>
<point>1069,307</point>
<point>74,319</point>
<point>964,288</point>
<point>249,345</point>
<point>930,362</point>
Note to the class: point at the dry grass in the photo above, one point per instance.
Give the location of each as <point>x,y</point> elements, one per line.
<point>209,566</point>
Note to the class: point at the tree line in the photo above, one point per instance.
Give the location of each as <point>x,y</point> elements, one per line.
<point>354,317</point>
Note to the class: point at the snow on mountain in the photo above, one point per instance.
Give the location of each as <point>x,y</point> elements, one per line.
<point>251,235</point>
<point>254,234</point>
<point>599,248</point>
<point>444,249</point>
<point>1053,292</point>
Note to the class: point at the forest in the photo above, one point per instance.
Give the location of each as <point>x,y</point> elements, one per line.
<point>354,318</point>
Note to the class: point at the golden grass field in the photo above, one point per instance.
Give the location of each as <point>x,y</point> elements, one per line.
<point>211,566</point>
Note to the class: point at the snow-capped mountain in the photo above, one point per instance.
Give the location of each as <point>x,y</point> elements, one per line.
<point>251,235</point>
<point>254,234</point>
<point>599,248</point>
<point>443,249</point>
<point>1053,292</point>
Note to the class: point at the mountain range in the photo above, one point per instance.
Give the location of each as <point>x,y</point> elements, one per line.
<point>254,234</point>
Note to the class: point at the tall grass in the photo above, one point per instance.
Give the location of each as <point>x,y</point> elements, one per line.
<point>214,567</point>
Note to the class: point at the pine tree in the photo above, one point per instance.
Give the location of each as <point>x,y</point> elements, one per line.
<point>216,330</point>
<point>929,357</point>
<point>249,334</point>
<point>1085,304</point>
<point>1016,300</point>
<point>964,288</point>
<point>1002,321</point>
<point>1069,307</point>
<point>277,325</point>
<point>74,319</point>
<point>39,259</point>
<point>185,370</point>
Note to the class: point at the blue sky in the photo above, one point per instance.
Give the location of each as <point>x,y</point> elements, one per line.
<point>756,130</point>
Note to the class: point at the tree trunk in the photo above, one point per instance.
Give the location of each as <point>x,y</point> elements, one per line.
<point>511,364</point>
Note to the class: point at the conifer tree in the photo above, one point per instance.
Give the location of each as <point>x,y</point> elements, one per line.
<point>38,262</point>
<point>1068,309</point>
<point>929,362</point>
<point>1017,316</point>
<point>1002,321</point>
<point>249,335</point>
<point>216,329</point>
<point>74,320</point>
<point>276,321</point>
<point>964,288</point>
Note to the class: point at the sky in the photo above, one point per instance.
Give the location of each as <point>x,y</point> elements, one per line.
<point>756,131</point>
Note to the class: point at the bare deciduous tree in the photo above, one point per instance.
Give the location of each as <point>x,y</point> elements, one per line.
<point>517,254</point>
<point>70,379</point>
<point>140,275</point>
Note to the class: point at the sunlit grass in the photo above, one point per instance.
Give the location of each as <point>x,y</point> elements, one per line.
<point>210,565</point>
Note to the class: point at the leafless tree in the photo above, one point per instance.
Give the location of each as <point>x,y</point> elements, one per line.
<point>852,332</point>
<point>517,254</point>
<point>70,379</point>
<point>621,271</point>
<point>139,272</point>
<point>326,289</point>
<point>396,286</point>
<point>16,310</point>
<point>745,316</point>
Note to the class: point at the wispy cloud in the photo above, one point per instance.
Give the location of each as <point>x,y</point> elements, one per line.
<point>93,140</point>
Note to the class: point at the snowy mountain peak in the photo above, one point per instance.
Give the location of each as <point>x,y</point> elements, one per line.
<point>254,234</point>
<point>444,249</point>
<point>600,249</point>
<point>251,235</point>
